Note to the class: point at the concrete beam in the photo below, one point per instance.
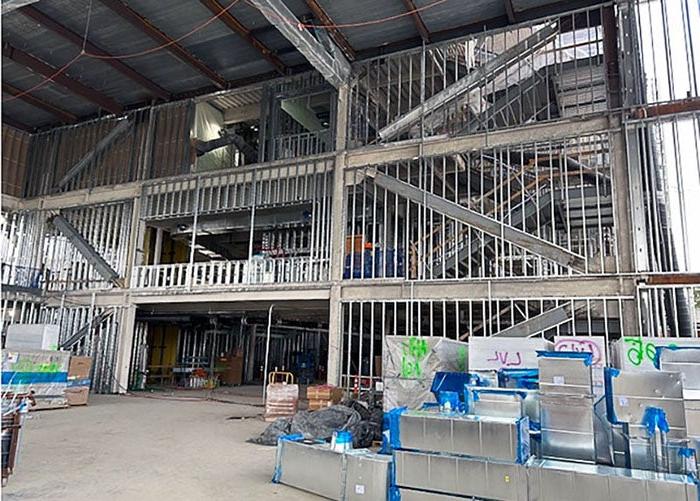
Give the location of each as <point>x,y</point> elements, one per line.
<point>472,80</point>
<point>334,67</point>
<point>300,111</point>
<point>88,196</point>
<point>477,220</point>
<point>242,113</point>
<point>444,145</point>
<point>270,293</point>
<point>585,287</point>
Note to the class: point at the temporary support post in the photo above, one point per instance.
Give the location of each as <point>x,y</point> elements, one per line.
<point>542,322</point>
<point>84,247</point>
<point>105,143</point>
<point>125,344</point>
<point>334,67</point>
<point>486,224</point>
<point>474,79</point>
<point>267,351</point>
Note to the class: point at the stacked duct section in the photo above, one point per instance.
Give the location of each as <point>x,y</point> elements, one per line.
<point>459,455</point>
<point>354,475</point>
<point>569,411</point>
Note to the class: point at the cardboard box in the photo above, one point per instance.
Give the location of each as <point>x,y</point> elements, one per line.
<point>231,369</point>
<point>79,367</point>
<point>315,405</point>
<point>77,395</point>
<point>324,392</point>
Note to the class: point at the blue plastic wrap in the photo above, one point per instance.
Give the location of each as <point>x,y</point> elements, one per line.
<point>609,373</point>
<point>390,430</point>
<point>655,418</point>
<point>521,378</point>
<point>449,381</point>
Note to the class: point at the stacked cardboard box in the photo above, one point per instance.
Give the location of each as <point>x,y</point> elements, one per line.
<point>231,369</point>
<point>281,400</point>
<point>78,380</point>
<point>322,396</point>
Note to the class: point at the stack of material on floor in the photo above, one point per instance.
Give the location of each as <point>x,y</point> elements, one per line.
<point>231,369</point>
<point>459,455</point>
<point>43,372</point>
<point>281,398</point>
<point>78,380</point>
<point>323,395</point>
<point>409,365</point>
<point>568,419</point>
<point>354,475</point>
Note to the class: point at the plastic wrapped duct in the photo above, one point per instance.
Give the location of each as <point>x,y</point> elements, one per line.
<point>409,364</point>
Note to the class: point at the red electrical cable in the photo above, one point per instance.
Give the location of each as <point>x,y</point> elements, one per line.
<point>172,42</point>
<point>45,81</point>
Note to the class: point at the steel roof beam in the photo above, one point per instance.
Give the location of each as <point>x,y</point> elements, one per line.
<point>335,68</point>
<point>38,66</point>
<point>146,27</point>
<point>52,25</point>
<point>510,11</point>
<point>15,123</point>
<point>62,115</point>
<point>334,32</point>
<point>236,26</point>
<point>417,20</point>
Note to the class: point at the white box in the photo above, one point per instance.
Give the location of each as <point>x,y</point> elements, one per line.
<point>493,353</point>
<point>32,337</point>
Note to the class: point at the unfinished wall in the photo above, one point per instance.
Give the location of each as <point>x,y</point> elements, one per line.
<point>155,144</point>
<point>15,148</point>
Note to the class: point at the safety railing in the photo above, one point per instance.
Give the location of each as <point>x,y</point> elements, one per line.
<point>257,271</point>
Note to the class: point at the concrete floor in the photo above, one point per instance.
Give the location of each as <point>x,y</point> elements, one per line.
<point>122,447</point>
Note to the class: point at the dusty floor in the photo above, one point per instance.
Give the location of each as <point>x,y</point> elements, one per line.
<point>121,447</point>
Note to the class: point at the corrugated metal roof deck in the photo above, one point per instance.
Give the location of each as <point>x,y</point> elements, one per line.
<point>221,49</point>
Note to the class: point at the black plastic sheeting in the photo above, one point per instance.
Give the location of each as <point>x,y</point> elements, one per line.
<point>364,424</point>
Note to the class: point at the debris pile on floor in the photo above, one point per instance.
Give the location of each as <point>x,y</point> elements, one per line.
<point>365,425</point>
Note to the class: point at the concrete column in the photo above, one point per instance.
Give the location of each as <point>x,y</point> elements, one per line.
<point>629,217</point>
<point>335,324</point>
<point>125,343</point>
